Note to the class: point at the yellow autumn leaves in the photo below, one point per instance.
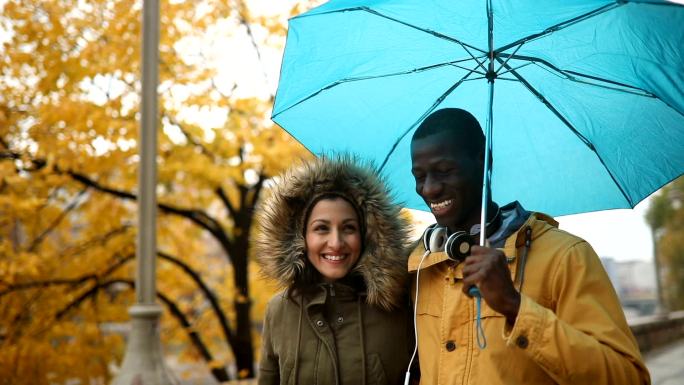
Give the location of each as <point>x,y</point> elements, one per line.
<point>69,121</point>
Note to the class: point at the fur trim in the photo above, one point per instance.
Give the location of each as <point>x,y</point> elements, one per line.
<point>280,244</point>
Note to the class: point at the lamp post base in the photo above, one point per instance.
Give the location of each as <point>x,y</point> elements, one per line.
<point>143,362</point>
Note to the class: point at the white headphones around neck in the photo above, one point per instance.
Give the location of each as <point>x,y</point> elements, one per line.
<point>456,246</point>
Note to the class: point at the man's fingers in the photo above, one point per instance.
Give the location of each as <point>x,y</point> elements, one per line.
<point>473,259</point>
<point>472,267</point>
<point>477,250</point>
<point>472,279</point>
<point>466,289</point>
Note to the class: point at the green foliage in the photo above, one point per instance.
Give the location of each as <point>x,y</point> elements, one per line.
<point>666,218</point>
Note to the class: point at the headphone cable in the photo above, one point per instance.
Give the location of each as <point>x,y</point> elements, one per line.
<point>415,326</point>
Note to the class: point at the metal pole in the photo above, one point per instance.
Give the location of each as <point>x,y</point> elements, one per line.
<point>487,173</point>
<point>147,175</point>
<point>143,362</point>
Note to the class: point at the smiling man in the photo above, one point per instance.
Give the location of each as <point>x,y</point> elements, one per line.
<point>549,313</point>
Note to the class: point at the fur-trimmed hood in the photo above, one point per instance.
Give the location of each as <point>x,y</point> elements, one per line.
<point>280,244</point>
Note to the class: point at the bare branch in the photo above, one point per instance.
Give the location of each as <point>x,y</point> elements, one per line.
<point>72,205</point>
<point>217,89</point>
<point>86,181</point>
<point>203,149</point>
<point>76,302</point>
<point>78,249</point>
<point>242,12</point>
<point>66,281</point>
<point>35,164</point>
<point>226,202</point>
<point>8,155</point>
<point>44,283</point>
<point>208,294</point>
<point>220,374</point>
<point>256,190</point>
<point>197,216</point>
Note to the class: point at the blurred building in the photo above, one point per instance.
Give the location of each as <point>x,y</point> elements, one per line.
<point>635,284</point>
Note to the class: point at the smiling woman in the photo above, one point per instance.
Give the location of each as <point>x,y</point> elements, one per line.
<point>332,237</point>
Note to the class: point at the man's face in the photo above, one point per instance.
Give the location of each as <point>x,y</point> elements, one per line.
<point>448,179</point>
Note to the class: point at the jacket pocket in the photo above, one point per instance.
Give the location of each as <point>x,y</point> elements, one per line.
<point>376,371</point>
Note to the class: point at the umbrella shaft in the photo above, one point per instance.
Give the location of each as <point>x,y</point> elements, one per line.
<point>486,175</point>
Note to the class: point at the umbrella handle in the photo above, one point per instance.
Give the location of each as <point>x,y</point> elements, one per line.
<point>474,292</point>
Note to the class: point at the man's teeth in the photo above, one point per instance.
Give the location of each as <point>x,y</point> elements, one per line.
<point>333,257</point>
<point>440,205</point>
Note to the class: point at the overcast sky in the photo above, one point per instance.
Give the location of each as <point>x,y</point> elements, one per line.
<point>621,234</point>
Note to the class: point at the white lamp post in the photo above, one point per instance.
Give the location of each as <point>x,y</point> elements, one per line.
<point>143,362</point>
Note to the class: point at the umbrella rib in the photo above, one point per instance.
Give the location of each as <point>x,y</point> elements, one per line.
<point>434,105</point>
<point>567,74</point>
<point>497,78</point>
<point>360,78</point>
<point>431,32</point>
<point>498,74</point>
<point>468,69</point>
<point>376,13</point>
<point>641,93</point>
<point>509,57</point>
<point>570,126</point>
<point>559,26</point>
<point>655,4</point>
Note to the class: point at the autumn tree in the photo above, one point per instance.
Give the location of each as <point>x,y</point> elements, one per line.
<point>69,96</point>
<point>665,216</point>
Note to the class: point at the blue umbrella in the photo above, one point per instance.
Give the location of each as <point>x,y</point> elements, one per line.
<point>583,101</point>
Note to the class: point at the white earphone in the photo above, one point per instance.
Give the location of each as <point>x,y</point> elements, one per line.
<point>457,248</point>
<point>456,245</point>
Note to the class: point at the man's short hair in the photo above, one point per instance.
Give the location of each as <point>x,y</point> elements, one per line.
<point>461,125</point>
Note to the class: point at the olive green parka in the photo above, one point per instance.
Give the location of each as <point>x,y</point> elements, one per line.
<point>357,330</point>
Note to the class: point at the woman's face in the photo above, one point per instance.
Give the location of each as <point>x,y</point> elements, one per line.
<point>333,238</point>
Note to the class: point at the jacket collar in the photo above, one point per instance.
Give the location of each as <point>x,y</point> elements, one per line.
<point>338,289</point>
<point>512,225</point>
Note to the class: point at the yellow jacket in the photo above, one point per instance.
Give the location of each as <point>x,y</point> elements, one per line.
<point>570,328</point>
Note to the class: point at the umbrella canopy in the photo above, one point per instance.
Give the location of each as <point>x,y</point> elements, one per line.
<point>588,96</point>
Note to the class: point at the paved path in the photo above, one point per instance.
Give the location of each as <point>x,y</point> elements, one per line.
<point>667,364</point>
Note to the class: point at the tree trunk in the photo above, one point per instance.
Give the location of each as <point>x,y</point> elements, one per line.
<point>243,349</point>
<point>662,307</point>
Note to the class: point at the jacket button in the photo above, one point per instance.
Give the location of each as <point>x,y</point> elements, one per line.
<point>522,342</point>
<point>319,323</point>
<point>340,319</point>
<point>450,346</point>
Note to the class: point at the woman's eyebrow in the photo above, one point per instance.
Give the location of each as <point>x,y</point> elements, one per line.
<point>319,220</point>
